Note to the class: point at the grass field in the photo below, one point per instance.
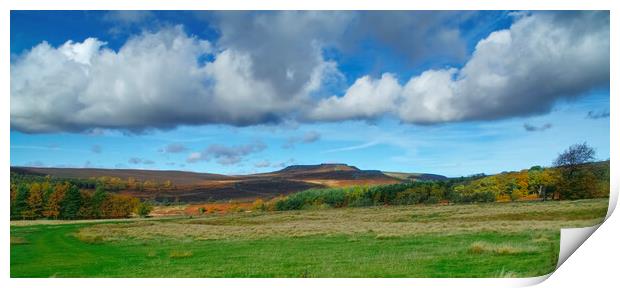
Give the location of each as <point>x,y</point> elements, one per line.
<point>480,240</point>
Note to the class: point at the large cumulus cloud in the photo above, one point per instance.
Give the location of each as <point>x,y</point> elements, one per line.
<point>154,80</point>
<point>519,71</point>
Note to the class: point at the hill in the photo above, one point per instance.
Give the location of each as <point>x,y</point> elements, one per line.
<point>200,187</point>
<point>178,177</point>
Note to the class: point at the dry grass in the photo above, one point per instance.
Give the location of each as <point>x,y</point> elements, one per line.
<point>180,254</point>
<point>383,222</point>
<point>18,240</point>
<point>480,247</point>
<point>159,211</point>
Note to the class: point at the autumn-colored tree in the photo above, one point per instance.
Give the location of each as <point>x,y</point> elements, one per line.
<point>167,184</point>
<point>131,183</point>
<point>257,205</point>
<point>541,179</point>
<point>35,201</point>
<point>119,206</point>
<point>53,203</point>
<point>522,185</point>
<point>148,184</point>
<point>86,210</point>
<point>46,189</point>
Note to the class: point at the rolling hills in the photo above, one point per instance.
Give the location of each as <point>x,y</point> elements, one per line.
<point>200,187</point>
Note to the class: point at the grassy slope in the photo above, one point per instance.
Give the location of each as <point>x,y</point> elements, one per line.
<point>53,250</point>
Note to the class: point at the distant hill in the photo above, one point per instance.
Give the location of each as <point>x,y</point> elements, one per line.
<point>178,177</point>
<point>197,187</point>
<point>331,172</point>
<point>318,168</point>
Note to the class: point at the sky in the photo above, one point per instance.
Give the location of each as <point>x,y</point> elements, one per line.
<point>446,92</point>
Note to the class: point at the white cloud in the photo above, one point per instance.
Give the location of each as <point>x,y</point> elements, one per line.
<point>519,71</point>
<point>366,98</point>
<point>154,81</point>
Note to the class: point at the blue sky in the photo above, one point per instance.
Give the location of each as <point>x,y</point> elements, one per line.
<point>451,93</point>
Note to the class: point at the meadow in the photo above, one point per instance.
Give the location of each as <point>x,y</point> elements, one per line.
<point>516,239</point>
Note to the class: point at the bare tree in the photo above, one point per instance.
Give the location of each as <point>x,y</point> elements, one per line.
<point>574,156</point>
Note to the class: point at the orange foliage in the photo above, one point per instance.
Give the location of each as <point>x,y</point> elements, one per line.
<point>503,198</point>
<point>221,208</point>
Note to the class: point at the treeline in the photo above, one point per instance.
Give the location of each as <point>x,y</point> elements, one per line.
<point>589,180</point>
<point>65,200</point>
<point>108,183</point>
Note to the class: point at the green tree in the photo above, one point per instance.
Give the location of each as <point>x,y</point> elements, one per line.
<point>574,178</point>
<point>144,209</point>
<point>97,200</point>
<point>20,209</point>
<point>70,206</point>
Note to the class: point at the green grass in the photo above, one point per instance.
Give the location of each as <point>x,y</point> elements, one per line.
<point>279,251</point>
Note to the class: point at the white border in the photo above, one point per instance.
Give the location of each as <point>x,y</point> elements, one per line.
<point>583,267</point>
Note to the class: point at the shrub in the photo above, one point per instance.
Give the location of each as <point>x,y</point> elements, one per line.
<point>259,205</point>
<point>432,200</point>
<point>144,209</point>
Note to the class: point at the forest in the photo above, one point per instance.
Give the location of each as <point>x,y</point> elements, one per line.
<point>35,197</point>
<point>589,180</point>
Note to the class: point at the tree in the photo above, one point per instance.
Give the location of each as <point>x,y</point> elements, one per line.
<point>574,156</point>
<point>86,210</point>
<point>35,201</point>
<point>70,206</point>
<point>46,189</point>
<point>167,184</point>
<point>53,203</point>
<point>131,183</point>
<point>522,184</point>
<point>540,179</point>
<point>97,200</point>
<point>119,206</point>
<point>21,201</point>
<point>574,181</point>
<point>581,185</point>
<point>13,195</point>
<point>143,209</point>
